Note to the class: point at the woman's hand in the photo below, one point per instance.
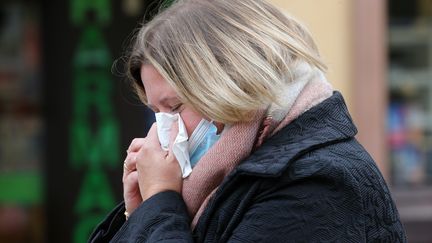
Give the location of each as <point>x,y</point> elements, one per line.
<point>131,192</point>
<point>149,169</point>
<point>158,170</point>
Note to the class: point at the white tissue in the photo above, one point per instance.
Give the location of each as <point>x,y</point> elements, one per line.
<point>180,147</point>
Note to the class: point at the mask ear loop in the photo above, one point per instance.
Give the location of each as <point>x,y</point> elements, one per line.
<point>217,129</point>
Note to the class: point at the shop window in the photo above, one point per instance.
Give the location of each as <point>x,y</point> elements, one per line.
<point>409,114</point>
<point>410,86</point>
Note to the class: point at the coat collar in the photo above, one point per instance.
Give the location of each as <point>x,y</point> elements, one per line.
<point>326,123</point>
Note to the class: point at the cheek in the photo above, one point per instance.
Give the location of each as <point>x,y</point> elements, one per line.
<point>190,119</point>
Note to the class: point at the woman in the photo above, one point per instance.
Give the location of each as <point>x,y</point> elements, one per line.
<point>251,143</point>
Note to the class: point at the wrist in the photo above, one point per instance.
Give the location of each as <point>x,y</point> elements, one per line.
<point>151,191</point>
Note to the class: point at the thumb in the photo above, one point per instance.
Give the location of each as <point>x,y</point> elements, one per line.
<point>152,136</point>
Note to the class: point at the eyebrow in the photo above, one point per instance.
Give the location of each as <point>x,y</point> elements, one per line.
<point>164,101</point>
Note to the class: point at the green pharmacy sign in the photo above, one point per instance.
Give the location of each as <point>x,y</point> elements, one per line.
<point>94,131</point>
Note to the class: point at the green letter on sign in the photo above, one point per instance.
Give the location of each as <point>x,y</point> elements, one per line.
<point>81,9</point>
<point>86,226</point>
<point>95,194</point>
<point>94,149</point>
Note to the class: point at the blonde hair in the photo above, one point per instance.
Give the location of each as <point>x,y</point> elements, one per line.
<point>225,58</point>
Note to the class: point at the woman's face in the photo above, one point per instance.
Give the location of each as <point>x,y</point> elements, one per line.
<point>161,97</point>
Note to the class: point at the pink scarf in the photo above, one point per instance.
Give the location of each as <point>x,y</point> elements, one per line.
<point>239,140</point>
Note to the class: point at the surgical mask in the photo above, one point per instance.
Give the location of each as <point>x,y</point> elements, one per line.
<point>187,151</point>
<point>201,140</point>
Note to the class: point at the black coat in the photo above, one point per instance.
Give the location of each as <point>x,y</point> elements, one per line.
<point>311,182</point>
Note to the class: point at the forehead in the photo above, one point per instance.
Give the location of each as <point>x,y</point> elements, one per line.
<point>156,87</point>
<point>150,76</point>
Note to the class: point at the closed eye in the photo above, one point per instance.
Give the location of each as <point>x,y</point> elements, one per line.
<point>176,108</point>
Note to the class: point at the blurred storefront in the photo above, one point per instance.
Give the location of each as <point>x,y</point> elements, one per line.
<point>67,115</point>
<point>409,113</point>
<point>21,123</point>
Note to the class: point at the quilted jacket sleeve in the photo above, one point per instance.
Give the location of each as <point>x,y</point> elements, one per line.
<point>161,218</point>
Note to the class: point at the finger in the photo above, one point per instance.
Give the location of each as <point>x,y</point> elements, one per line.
<point>129,165</point>
<point>130,182</point>
<point>130,161</point>
<point>131,178</point>
<point>152,138</point>
<point>136,145</point>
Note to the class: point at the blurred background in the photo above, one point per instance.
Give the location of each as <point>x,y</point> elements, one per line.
<point>67,114</point>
